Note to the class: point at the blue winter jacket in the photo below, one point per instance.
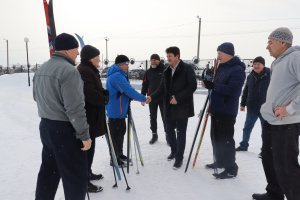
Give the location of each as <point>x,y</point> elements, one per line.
<point>255,91</point>
<point>228,85</point>
<point>119,93</point>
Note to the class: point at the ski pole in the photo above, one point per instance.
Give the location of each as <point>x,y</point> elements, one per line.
<point>113,166</point>
<point>196,132</point>
<point>201,138</point>
<point>137,166</point>
<point>128,188</point>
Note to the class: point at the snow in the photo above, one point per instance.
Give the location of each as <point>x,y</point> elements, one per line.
<point>21,156</point>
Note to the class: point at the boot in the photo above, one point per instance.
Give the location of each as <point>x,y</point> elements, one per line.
<point>94,188</point>
<point>154,138</point>
<point>96,176</point>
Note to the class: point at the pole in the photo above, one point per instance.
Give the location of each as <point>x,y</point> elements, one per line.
<point>198,50</point>
<point>26,41</point>
<point>7,55</point>
<point>106,38</point>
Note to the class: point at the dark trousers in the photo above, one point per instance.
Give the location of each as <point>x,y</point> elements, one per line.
<point>153,106</point>
<point>177,144</point>
<point>222,132</point>
<point>117,129</point>
<point>63,158</point>
<point>90,155</point>
<point>280,152</point>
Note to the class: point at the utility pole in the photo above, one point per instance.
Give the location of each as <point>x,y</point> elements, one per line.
<point>198,50</point>
<point>26,40</point>
<point>7,56</point>
<point>106,39</point>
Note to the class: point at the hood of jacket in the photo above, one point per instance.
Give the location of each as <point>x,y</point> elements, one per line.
<point>116,69</point>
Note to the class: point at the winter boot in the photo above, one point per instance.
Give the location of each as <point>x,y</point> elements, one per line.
<point>264,196</point>
<point>177,164</point>
<point>171,156</point>
<point>123,158</point>
<point>154,138</point>
<point>213,165</point>
<point>94,188</point>
<point>225,175</point>
<point>241,149</point>
<point>96,176</point>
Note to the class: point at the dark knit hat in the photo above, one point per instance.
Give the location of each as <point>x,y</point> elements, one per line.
<point>65,41</point>
<point>282,34</point>
<point>89,52</point>
<point>260,60</point>
<point>226,47</point>
<point>155,56</point>
<point>121,60</point>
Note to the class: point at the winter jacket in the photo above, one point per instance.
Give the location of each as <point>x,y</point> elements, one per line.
<point>255,91</point>
<point>58,91</point>
<point>182,85</point>
<point>284,88</point>
<point>120,92</point>
<point>152,80</point>
<point>95,99</point>
<point>227,88</point>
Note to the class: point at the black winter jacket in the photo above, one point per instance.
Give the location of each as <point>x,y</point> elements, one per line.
<point>255,91</point>
<point>152,80</point>
<point>182,85</point>
<point>95,100</point>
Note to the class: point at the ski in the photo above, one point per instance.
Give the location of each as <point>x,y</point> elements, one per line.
<point>50,24</point>
<point>128,137</point>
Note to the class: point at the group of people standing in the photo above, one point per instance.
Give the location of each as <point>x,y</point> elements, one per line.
<point>73,105</point>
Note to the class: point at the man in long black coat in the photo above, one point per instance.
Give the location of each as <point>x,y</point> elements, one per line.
<point>177,86</point>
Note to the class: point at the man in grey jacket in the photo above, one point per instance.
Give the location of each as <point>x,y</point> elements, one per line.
<point>64,131</point>
<point>281,111</point>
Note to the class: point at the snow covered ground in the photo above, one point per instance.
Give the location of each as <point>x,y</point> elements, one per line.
<point>20,156</point>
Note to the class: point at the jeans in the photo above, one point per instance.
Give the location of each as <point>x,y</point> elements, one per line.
<point>249,124</point>
<point>177,144</point>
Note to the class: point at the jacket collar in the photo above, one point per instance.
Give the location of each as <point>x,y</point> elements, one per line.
<point>60,55</point>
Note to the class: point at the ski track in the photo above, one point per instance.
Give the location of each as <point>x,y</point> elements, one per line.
<point>21,156</point>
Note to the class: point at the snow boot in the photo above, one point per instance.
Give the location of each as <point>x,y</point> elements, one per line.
<point>224,175</point>
<point>264,196</point>
<point>154,138</point>
<point>213,165</point>
<point>177,164</point>
<point>94,188</point>
<point>241,149</point>
<point>96,176</point>
<point>171,156</point>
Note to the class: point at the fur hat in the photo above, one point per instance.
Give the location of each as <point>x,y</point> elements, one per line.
<point>226,47</point>
<point>282,34</point>
<point>89,52</point>
<point>65,41</point>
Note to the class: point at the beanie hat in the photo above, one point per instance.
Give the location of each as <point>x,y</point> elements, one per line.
<point>282,34</point>
<point>155,56</point>
<point>226,47</point>
<point>65,41</point>
<point>121,60</point>
<point>260,60</point>
<point>89,52</point>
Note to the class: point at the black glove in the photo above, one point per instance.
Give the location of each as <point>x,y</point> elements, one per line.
<point>106,92</point>
<point>106,96</point>
<point>208,84</point>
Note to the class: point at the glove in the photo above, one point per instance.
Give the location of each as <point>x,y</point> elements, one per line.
<point>106,96</point>
<point>105,92</point>
<point>208,84</point>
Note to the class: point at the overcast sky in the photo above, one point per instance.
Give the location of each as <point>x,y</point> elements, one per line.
<point>138,28</point>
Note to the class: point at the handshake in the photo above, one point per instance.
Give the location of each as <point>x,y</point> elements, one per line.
<point>148,100</point>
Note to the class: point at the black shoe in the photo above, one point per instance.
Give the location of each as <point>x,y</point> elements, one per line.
<point>264,196</point>
<point>259,155</point>
<point>213,165</point>
<point>96,176</point>
<point>123,158</point>
<point>171,156</point>
<point>241,149</point>
<point>94,188</point>
<point>177,164</point>
<point>120,163</point>
<point>224,175</point>
<point>153,139</point>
